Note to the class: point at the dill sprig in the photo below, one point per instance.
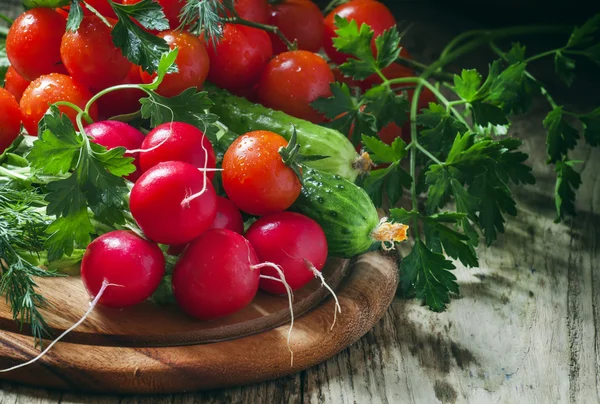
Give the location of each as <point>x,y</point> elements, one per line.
<point>22,237</point>
<point>206,16</point>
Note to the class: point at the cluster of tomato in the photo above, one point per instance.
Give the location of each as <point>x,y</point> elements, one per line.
<point>50,64</point>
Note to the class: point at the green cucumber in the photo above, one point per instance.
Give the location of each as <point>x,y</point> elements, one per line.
<point>241,116</point>
<point>346,214</point>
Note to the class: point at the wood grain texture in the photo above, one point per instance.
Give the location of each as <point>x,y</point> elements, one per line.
<point>364,297</point>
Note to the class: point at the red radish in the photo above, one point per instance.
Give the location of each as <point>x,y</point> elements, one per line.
<point>214,276</point>
<point>122,258</point>
<point>111,134</point>
<point>177,141</point>
<point>227,217</point>
<point>288,239</point>
<point>173,203</point>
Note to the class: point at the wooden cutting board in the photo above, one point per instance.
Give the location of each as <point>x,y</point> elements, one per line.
<point>150,349</point>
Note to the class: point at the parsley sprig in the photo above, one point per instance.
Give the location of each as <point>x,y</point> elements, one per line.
<point>459,165</point>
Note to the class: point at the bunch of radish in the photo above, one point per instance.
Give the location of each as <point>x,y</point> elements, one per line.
<point>219,269</point>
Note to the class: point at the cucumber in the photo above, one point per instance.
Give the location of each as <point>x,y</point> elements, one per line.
<point>241,116</point>
<point>346,214</point>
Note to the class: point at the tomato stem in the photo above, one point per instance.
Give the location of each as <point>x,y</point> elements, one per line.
<point>265,27</point>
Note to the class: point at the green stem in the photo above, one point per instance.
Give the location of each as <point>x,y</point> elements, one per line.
<point>12,174</point>
<point>542,55</point>
<point>457,39</point>
<point>413,64</point>
<point>428,154</point>
<point>269,28</point>
<point>110,90</point>
<point>80,111</point>
<point>6,19</point>
<point>413,158</point>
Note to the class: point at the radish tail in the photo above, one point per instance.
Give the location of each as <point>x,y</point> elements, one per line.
<point>93,304</point>
<point>319,275</point>
<point>188,199</point>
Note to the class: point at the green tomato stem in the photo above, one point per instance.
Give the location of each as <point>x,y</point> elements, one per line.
<point>269,28</point>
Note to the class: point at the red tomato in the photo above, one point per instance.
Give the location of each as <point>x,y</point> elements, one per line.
<point>90,55</point>
<point>389,133</point>
<point>240,57</point>
<point>299,20</point>
<point>292,80</point>
<point>122,101</point>
<point>48,89</point>
<point>171,8</point>
<point>10,119</point>
<point>370,12</point>
<point>192,62</point>
<point>14,83</point>
<point>253,10</point>
<point>33,43</point>
<point>254,176</point>
<point>64,11</point>
<point>102,6</point>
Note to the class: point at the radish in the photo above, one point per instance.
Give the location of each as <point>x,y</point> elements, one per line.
<point>296,244</point>
<point>122,258</point>
<point>111,134</point>
<point>218,275</point>
<point>173,203</point>
<point>227,217</point>
<point>177,141</point>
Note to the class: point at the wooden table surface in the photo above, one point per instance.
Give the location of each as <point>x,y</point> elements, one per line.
<point>523,330</point>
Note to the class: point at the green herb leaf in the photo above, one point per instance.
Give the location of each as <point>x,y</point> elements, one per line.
<point>565,68</point>
<point>404,216</point>
<point>189,107</point>
<point>388,47</point>
<point>377,184</point>
<point>386,106</point>
<point>516,53</point>
<point>591,126</point>
<point>561,138</point>
<point>429,274</point>
<point>339,103</point>
<point>383,153</point>
<point>593,53</point>
<point>567,183</point>
<point>137,45</point>
<point>455,244</point>
<point>485,114</point>
<point>467,84</point>
<point>584,35</point>
<point>67,232</point>
<point>75,16</point>
<point>206,16</point>
<point>441,129</point>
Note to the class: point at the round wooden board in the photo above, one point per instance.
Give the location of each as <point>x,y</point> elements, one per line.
<point>154,350</point>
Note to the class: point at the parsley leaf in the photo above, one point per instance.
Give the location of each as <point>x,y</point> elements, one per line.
<point>561,138</point>
<point>389,180</point>
<point>429,274</point>
<point>440,129</point>
<point>584,35</point>
<point>485,114</point>
<point>455,244</point>
<point>591,125</point>
<point>93,181</point>
<point>75,15</point>
<point>567,182</point>
<point>516,53</point>
<point>565,68</point>
<point>339,103</point>
<point>383,103</point>
<point>388,47</point>
<point>384,153</point>
<point>189,107</point>
<point>137,45</point>
<point>467,84</point>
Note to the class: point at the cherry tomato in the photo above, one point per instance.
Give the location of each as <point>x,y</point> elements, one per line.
<point>240,57</point>
<point>299,20</point>
<point>122,101</point>
<point>192,61</point>
<point>171,8</point>
<point>14,83</point>
<point>90,55</point>
<point>33,43</point>
<point>254,176</point>
<point>10,119</point>
<point>292,80</point>
<point>253,10</point>
<point>370,12</point>
<point>48,89</point>
<point>102,6</point>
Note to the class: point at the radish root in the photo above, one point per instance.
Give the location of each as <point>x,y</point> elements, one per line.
<point>290,294</point>
<point>93,304</point>
<point>319,276</point>
<point>186,202</point>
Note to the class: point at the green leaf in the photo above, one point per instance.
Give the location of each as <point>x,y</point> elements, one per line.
<point>565,68</point>
<point>404,216</point>
<point>377,183</point>
<point>593,53</point>
<point>455,244</point>
<point>205,15</point>
<point>465,202</point>
<point>507,85</point>
<point>567,183</point>
<point>495,69</point>
<point>447,217</point>
<point>439,187</point>
<point>397,180</point>
<point>57,139</point>
<point>137,45</point>
<point>165,65</point>
<point>65,197</point>
<point>4,62</point>
<point>189,107</point>
<point>441,129</point>
<point>339,103</point>
<point>383,153</point>
<point>584,35</point>
<point>485,114</point>
<point>591,126</point>
<point>67,232</point>
<point>75,16</point>
<point>516,53</point>
<point>386,106</point>
<point>356,42</point>
<point>429,274</point>
<point>388,47</point>
<point>561,138</point>
<point>467,84</point>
